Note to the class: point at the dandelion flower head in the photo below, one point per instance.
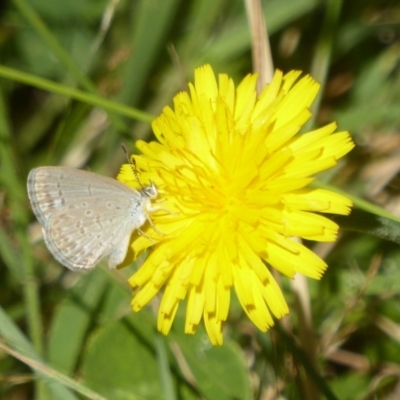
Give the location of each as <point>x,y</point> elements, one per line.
<point>233,171</point>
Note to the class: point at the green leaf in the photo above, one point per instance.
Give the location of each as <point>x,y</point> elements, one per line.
<point>220,372</point>
<point>150,24</point>
<point>72,319</point>
<point>120,361</point>
<point>370,224</point>
<point>351,387</point>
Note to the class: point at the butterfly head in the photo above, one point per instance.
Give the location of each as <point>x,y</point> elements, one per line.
<point>151,191</point>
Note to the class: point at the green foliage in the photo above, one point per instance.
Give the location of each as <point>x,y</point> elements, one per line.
<point>130,367</point>
<point>73,88</point>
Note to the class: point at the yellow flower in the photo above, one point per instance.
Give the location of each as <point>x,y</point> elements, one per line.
<point>233,172</point>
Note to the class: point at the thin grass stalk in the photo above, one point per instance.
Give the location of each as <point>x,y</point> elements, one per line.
<point>54,46</point>
<point>23,261</point>
<point>323,53</point>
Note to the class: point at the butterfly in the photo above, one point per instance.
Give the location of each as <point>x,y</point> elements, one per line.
<point>86,217</point>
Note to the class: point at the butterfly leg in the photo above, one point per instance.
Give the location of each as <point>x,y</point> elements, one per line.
<point>154,227</point>
<point>152,209</point>
<point>140,232</point>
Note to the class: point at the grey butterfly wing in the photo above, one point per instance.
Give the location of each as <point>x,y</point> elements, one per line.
<point>79,237</point>
<point>85,216</point>
<point>52,188</point>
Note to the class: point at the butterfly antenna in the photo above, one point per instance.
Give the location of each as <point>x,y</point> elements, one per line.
<point>132,163</point>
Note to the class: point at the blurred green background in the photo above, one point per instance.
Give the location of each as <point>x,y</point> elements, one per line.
<point>69,336</point>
